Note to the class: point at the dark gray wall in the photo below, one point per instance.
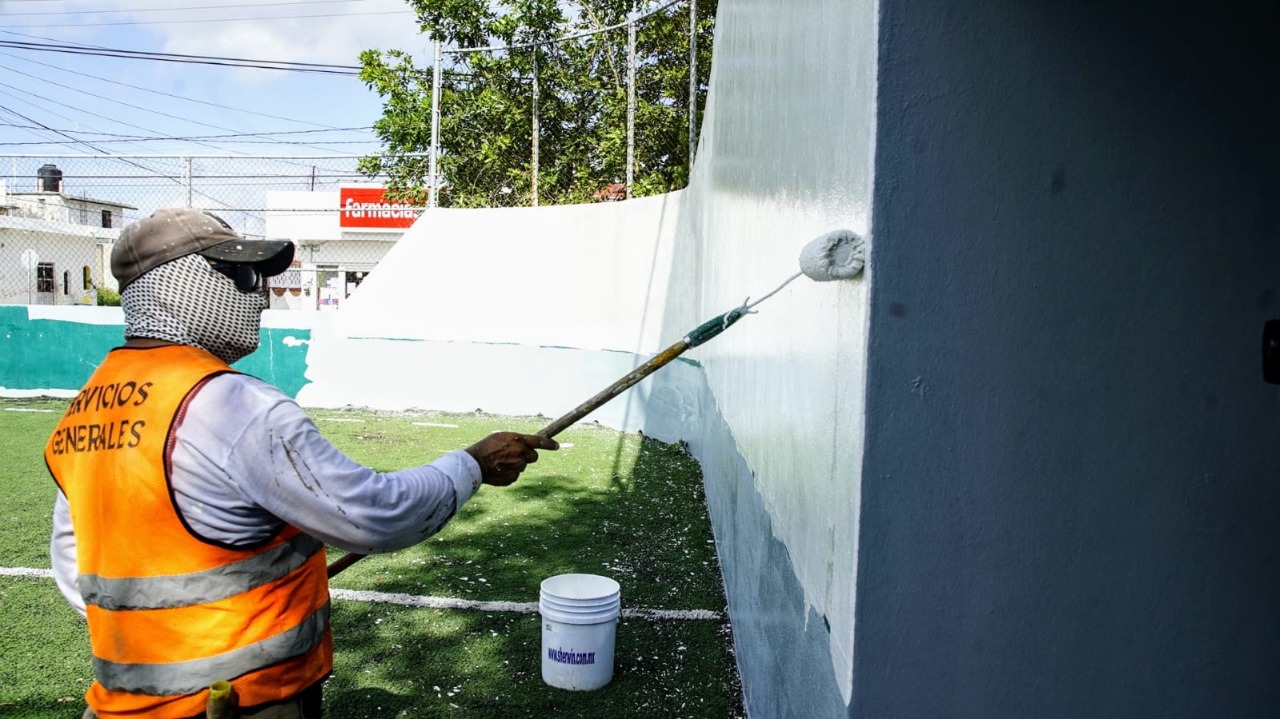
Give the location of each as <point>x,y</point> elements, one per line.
<point>1072,469</point>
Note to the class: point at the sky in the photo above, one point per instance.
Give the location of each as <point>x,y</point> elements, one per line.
<point>158,119</point>
<point>56,103</point>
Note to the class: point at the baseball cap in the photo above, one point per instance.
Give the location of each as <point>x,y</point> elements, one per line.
<point>176,232</point>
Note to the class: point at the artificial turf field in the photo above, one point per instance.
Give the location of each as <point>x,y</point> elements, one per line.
<point>608,503</point>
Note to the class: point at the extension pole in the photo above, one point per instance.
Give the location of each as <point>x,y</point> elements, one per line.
<point>697,336</point>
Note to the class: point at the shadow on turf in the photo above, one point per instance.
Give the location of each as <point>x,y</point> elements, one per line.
<point>649,531</point>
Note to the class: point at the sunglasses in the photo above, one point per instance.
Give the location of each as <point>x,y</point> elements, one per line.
<point>246,277</point>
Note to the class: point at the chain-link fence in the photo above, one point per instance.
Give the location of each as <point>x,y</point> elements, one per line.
<point>59,216</point>
<point>603,108</point>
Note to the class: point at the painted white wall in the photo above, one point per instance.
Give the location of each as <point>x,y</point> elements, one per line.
<point>787,155</point>
<point>581,276</point>
<point>526,311</point>
<point>513,311</point>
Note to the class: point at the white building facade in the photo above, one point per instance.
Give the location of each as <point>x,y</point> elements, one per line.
<point>55,248</point>
<point>340,237</point>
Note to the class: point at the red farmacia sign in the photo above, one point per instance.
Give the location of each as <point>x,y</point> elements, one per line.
<point>367,207</point>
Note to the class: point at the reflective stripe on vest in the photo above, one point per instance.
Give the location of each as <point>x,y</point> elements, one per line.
<point>196,675</point>
<point>184,590</point>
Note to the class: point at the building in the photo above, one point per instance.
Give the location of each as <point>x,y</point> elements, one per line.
<point>55,247</point>
<point>340,237</point>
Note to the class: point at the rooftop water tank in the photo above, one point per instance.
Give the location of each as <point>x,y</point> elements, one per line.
<point>49,178</point>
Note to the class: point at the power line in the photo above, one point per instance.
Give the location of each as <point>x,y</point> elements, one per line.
<point>219,105</point>
<point>15,113</point>
<point>92,114</point>
<point>173,9</point>
<point>74,140</point>
<point>118,102</point>
<point>314,144</point>
<point>213,137</point>
<point>194,59</point>
<point>347,70</point>
<point>225,19</point>
<point>265,137</point>
<point>126,104</point>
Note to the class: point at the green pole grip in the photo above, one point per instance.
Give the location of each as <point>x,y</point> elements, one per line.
<point>223,703</point>
<point>714,326</point>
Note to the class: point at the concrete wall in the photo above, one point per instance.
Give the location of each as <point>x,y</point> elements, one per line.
<point>1070,485</point>
<point>514,311</point>
<point>786,155</point>
<point>50,350</point>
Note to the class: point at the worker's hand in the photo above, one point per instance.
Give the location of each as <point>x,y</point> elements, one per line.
<point>502,456</point>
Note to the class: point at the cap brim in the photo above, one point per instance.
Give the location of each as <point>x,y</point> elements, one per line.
<point>269,257</point>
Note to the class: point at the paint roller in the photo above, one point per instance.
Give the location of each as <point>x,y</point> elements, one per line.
<point>838,255</point>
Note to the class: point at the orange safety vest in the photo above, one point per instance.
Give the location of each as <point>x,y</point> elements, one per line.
<point>169,613</point>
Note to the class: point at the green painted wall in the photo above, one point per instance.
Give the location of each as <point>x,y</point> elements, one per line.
<point>60,355</point>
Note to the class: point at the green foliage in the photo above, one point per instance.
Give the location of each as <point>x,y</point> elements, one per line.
<point>487,101</point>
<point>108,297</point>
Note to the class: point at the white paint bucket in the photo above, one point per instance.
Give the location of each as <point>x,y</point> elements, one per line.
<point>579,627</point>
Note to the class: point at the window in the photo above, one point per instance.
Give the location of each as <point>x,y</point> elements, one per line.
<point>44,277</point>
<point>106,218</point>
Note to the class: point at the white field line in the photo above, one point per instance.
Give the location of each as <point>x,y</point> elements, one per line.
<point>24,572</point>
<point>25,409</point>
<point>435,424</point>
<point>414,600</point>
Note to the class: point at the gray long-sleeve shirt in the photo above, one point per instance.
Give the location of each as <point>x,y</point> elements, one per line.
<point>247,460</point>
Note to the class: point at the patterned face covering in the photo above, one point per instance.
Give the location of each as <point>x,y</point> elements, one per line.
<point>188,302</point>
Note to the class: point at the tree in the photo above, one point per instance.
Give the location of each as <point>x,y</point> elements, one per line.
<point>487,101</point>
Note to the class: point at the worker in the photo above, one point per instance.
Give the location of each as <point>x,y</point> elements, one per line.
<point>195,501</point>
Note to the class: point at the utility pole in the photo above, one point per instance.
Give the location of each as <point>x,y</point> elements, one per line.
<point>693,82</point>
<point>435,127</point>
<point>631,100</point>
<point>535,126</point>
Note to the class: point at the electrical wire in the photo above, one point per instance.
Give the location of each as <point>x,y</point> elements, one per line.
<point>110,138</point>
<point>101,117</point>
<point>15,113</point>
<point>211,20</point>
<point>108,156</point>
<point>172,9</point>
<point>285,65</point>
<point>319,68</point>
<point>126,104</point>
<point>220,106</point>
<point>113,100</point>
<point>209,137</point>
